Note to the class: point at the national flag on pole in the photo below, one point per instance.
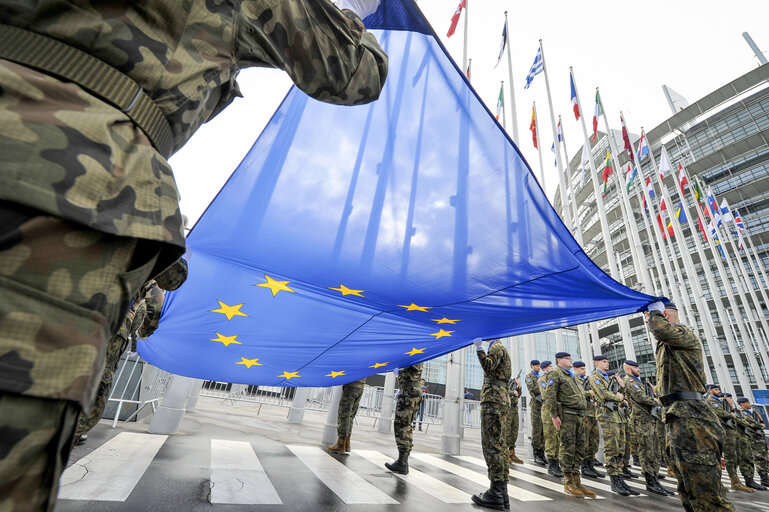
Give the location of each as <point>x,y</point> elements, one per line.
<point>455,19</point>
<point>738,222</point>
<point>607,171</point>
<point>701,228</point>
<point>630,176</point>
<point>552,148</point>
<point>598,113</point>
<point>697,191</point>
<point>649,187</point>
<point>626,139</point>
<point>585,156</point>
<point>682,181</point>
<point>469,65</point>
<point>715,239</point>
<point>726,214</point>
<point>533,126</point>
<point>559,131</point>
<point>502,44</point>
<point>739,241</point>
<point>501,101</point>
<point>643,148</point>
<point>536,68</point>
<point>574,103</point>
<point>713,206</point>
<point>664,164</point>
<point>681,215</point>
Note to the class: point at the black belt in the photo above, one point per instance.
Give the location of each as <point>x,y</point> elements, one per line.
<point>682,395</point>
<point>569,410</point>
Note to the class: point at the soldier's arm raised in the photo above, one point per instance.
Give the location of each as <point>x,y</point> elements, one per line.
<point>676,336</point>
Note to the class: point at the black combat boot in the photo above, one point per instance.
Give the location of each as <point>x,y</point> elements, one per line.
<point>652,485</point>
<point>492,498</point>
<point>539,458</point>
<point>626,472</point>
<point>554,469</point>
<point>618,485</point>
<point>636,461</point>
<point>598,473</point>
<point>753,484</point>
<point>596,462</point>
<point>764,479</point>
<point>587,470</point>
<point>632,491</point>
<point>401,465</point>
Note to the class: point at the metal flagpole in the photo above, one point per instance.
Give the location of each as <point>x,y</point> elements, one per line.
<point>513,110</point>
<point>539,148</point>
<point>464,44</point>
<point>576,230</point>
<point>624,324</point>
<point>502,92</point>
<point>552,120</point>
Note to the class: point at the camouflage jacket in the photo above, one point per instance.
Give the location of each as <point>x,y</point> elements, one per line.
<point>591,405</point>
<point>497,371</point>
<point>132,321</point>
<point>754,423</point>
<point>69,154</point>
<point>153,303</point>
<point>641,404</point>
<point>533,387</point>
<point>680,367</point>
<point>542,385</point>
<point>410,380</point>
<point>720,408</point>
<point>600,386</point>
<point>564,390</point>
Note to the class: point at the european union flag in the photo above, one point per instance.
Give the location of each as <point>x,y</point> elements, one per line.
<point>356,240</point>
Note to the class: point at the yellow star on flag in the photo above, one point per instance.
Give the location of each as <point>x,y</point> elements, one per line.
<point>379,365</point>
<point>249,362</point>
<point>414,351</point>
<point>348,291</point>
<point>289,375</point>
<point>414,307</point>
<point>227,340</point>
<point>228,311</point>
<point>445,320</point>
<point>441,334</point>
<point>334,374</point>
<point>275,286</point>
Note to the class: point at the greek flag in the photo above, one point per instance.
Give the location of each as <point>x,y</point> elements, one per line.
<point>536,68</point>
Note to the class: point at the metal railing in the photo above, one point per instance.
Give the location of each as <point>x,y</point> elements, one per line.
<point>137,384</point>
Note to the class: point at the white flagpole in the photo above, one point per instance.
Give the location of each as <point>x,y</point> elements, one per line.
<point>657,265</point>
<point>552,120</point>
<point>624,324</point>
<point>513,110</point>
<point>576,230</point>
<point>539,149</point>
<point>502,92</point>
<point>464,44</point>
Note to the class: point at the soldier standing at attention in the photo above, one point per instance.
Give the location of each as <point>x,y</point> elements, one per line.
<point>94,99</point>
<point>744,452</point>
<point>548,430</point>
<point>694,433</point>
<point>348,408</point>
<point>624,418</point>
<point>495,403</point>
<point>535,404</point>
<point>513,421</point>
<point>565,401</point>
<point>641,408</point>
<point>729,424</point>
<point>591,424</point>
<point>757,440</point>
<point>409,397</point>
<point>611,424</point>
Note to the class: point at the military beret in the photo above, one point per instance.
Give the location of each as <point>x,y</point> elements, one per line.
<point>578,364</point>
<point>742,400</point>
<point>671,306</point>
<point>727,395</point>
<point>630,362</point>
<point>712,386</point>
<point>611,372</point>
<point>534,362</point>
<point>599,357</point>
<point>559,355</point>
<point>545,364</point>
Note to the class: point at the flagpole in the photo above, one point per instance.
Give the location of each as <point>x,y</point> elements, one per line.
<point>464,44</point>
<point>513,110</point>
<point>624,324</point>
<point>539,149</point>
<point>552,118</point>
<point>570,188</point>
<point>502,92</point>
<point>654,250</point>
<point>722,314</point>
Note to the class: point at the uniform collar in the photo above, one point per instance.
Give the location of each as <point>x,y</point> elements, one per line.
<point>720,401</point>
<point>636,378</point>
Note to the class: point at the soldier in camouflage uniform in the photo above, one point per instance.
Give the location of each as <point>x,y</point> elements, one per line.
<point>591,424</point>
<point>566,403</point>
<point>409,397</point>
<point>642,408</point>
<point>611,423</point>
<point>495,404</point>
<point>552,443</point>
<point>89,209</point>
<point>625,442</point>
<point>729,424</point>
<point>513,420</point>
<point>348,407</point>
<point>743,452</point>
<point>535,405</point>
<point>757,440</point>
<point>694,433</point>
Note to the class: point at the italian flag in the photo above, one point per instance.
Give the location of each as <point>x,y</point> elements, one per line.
<point>607,171</point>
<point>598,113</point>
<point>500,101</point>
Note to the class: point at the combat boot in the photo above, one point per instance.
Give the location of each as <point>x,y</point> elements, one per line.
<point>554,469</point>
<point>626,473</point>
<point>737,485</point>
<point>618,485</point>
<point>764,479</point>
<point>569,487</point>
<point>494,497</point>
<point>596,462</point>
<point>600,474</point>
<point>401,465</point>
<point>538,459</point>
<point>636,461</point>
<point>347,444</point>
<point>753,484</point>
<point>338,447</point>
<point>652,485</point>
<point>513,457</point>
<point>578,483</point>
<point>587,470</point>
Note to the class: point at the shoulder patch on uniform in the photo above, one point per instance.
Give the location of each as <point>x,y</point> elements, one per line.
<point>544,385</point>
<point>636,386</point>
<point>715,405</point>
<point>549,382</point>
<point>597,381</point>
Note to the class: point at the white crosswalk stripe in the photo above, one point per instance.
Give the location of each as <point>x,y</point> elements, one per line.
<point>516,493</point>
<point>588,482</point>
<point>237,476</point>
<point>111,471</point>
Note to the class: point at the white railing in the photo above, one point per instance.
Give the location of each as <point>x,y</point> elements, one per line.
<point>136,384</point>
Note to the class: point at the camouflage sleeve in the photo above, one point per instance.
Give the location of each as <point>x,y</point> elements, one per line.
<point>531,385</point>
<point>488,361</point>
<point>603,394</point>
<point>550,402</point>
<point>719,409</point>
<point>637,394</point>
<point>327,52</point>
<point>153,301</point>
<point>676,336</point>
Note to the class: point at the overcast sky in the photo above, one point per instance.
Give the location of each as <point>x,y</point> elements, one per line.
<point>628,49</point>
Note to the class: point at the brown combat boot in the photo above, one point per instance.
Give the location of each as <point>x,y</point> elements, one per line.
<point>577,481</point>
<point>347,444</point>
<point>338,447</point>
<point>570,487</point>
<point>513,457</point>
<point>737,485</point>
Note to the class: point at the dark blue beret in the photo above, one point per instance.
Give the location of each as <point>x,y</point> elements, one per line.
<point>712,386</point>
<point>534,362</point>
<point>727,395</point>
<point>579,364</point>
<point>559,355</point>
<point>545,364</point>
<point>630,362</point>
<point>599,357</point>
<point>742,400</point>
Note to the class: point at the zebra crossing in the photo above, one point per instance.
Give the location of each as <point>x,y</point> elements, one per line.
<point>239,474</point>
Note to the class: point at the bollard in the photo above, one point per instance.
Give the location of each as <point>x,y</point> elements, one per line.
<point>170,413</point>
<point>452,415</point>
<point>386,412</point>
<point>296,412</point>
<point>332,418</point>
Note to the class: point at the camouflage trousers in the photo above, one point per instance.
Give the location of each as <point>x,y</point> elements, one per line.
<point>493,441</point>
<point>572,439</point>
<point>512,423</point>
<point>695,447</point>
<point>552,440</point>
<point>731,460</point>
<point>760,455</point>
<point>348,407</point>
<point>632,441</point>
<point>592,437</point>
<point>659,428</point>
<point>744,455</point>
<point>647,447</point>
<point>628,444</point>
<point>613,446</point>
<point>537,435</point>
<point>405,413</point>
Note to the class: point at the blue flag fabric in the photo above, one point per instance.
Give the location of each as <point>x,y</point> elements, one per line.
<point>355,240</point>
